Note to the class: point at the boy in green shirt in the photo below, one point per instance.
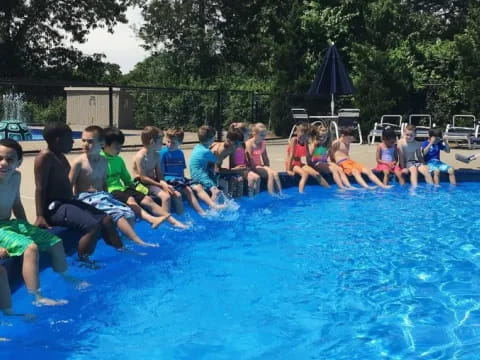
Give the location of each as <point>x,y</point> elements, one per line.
<point>120,183</point>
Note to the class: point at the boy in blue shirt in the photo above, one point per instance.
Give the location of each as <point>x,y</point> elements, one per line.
<point>431,152</point>
<point>202,164</point>
<point>173,165</point>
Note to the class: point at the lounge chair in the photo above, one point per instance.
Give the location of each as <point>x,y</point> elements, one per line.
<point>348,118</point>
<point>458,133</point>
<point>423,123</point>
<point>393,121</point>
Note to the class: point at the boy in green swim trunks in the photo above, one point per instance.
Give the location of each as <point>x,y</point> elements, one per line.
<point>18,237</point>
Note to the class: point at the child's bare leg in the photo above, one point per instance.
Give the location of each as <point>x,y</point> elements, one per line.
<point>31,277</point>
<point>436,177</point>
<point>57,254</point>
<point>5,294</point>
<point>276,180</point>
<point>202,195</point>
<point>143,214</point>
<point>155,221</point>
<point>386,173</point>
<point>165,199</point>
<point>373,177</point>
<point>30,268</point>
<point>215,192</point>
<point>413,176</point>
<point>358,176</point>
<point>110,234</point>
<point>88,242</point>
<point>399,175</point>
<point>264,173</point>
<point>178,203</point>
<point>426,174</point>
<point>303,178</point>
<point>314,173</point>
<point>253,180</point>
<point>451,176</point>
<point>327,168</point>
<point>126,228</point>
<point>192,200</point>
<point>344,177</point>
<point>159,211</point>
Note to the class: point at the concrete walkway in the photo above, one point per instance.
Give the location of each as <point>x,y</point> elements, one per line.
<point>276,149</point>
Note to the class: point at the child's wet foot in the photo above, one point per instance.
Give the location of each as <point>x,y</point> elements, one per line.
<point>150,244</point>
<point>219,206</point>
<point>88,263</point>
<point>180,225</point>
<point>43,301</point>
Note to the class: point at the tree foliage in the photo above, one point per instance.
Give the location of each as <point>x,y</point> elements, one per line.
<point>34,33</point>
<point>403,56</point>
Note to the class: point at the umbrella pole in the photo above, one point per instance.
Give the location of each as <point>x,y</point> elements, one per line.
<point>332,105</point>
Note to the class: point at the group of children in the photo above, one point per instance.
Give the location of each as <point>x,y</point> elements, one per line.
<point>96,195</point>
<point>311,153</point>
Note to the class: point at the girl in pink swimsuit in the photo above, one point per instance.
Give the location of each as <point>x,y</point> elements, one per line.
<point>296,152</point>
<point>238,160</point>
<point>257,158</point>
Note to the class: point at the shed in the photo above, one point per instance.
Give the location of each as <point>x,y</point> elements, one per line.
<point>90,106</point>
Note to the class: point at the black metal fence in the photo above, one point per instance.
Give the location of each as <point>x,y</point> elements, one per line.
<point>137,106</point>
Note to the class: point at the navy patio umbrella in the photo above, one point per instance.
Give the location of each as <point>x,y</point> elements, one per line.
<point>332,78</point>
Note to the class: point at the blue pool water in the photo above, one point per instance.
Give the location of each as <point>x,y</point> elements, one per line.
<point>357,275</point>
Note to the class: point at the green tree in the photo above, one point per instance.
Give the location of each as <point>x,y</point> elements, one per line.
<point>33,34</point>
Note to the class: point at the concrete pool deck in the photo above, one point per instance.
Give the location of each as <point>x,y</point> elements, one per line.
<point>276,150</point>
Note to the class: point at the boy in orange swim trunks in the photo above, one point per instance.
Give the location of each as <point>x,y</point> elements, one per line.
<point>340,155</point>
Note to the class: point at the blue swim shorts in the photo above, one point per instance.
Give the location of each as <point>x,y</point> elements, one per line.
<point>437,165</point>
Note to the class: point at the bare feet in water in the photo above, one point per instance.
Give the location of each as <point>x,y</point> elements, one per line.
<point>159,220</point>
<point>43,301</point>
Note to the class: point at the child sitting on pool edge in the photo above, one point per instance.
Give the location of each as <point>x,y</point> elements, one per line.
<point>88,177</point>
<point>340,155</point>
<point>17,236</point>
<point>257,158</point>
<point>431,152</point>
<point>120,183</point>
<point>411,158</point>
<point>317,156</point>
<point>202,164</point>
<point>238,161</point>
<point>231,180</point>
<point>146,168</point>
<point>173,165</point>
<point>54,201</point>
<point>297,151</point>
<point>387,156</point>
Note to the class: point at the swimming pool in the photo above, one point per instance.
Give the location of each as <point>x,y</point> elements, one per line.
<point>355,275</point>
<point>37,134</point>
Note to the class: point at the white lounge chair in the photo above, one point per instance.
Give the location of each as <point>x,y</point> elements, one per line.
<point>423,123</point>
<point>458,133</point>
<point>393,121</point>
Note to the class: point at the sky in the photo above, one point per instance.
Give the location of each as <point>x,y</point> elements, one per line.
<point>122,47</point>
